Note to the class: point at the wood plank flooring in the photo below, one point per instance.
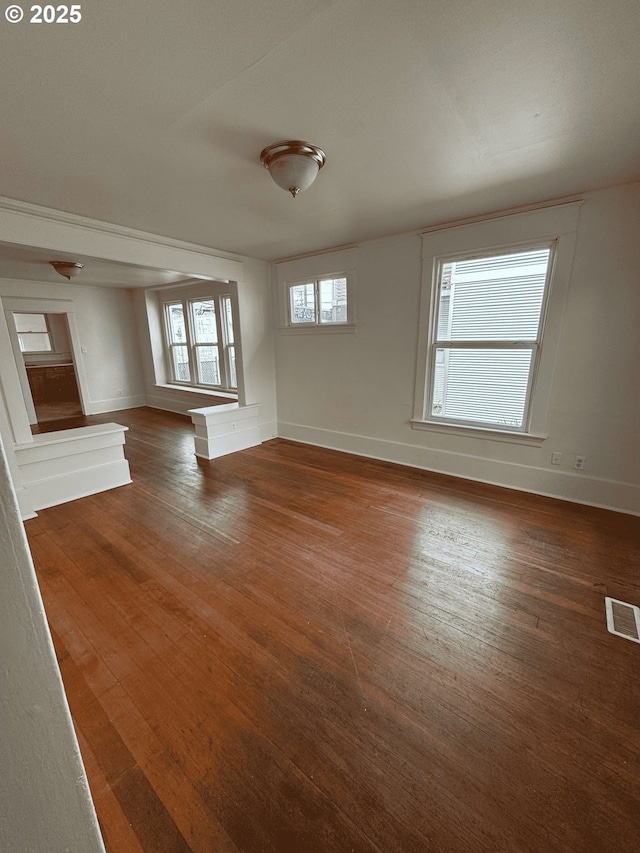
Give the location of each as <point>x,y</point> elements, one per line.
<point>291,649</point>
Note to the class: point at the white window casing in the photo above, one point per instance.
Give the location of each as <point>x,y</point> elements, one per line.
<point>322,304</point>
<point>33,331</point>
<point>199,339</point>
<point>486,336</point>
<point>490,319</point>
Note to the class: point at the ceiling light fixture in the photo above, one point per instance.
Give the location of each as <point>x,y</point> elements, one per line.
<point>293,165</point>
<point>67,269</point>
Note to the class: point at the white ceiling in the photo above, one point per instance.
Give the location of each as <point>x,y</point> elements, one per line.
<point>34,264</point>
<point>152,114</point>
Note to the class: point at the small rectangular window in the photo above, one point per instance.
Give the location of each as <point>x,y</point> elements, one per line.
<point>33,332</point>
<point>487,336</point>
<point>177,332</point>
<point>204,321</point>
<point>319,302</point>
<point>332,296</point>
<point>303,303</point>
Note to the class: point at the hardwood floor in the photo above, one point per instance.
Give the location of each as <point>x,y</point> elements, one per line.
<point>54,412</point>
<point>291,649</point>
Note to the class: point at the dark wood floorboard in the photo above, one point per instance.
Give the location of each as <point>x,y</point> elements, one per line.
<point>291,649</point>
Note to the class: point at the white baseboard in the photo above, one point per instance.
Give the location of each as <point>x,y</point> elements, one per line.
<point>577,488</point>
<point>117,404</point>
<point>268,430</point>
<point>25,504</point>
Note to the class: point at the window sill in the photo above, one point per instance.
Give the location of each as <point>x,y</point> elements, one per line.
<point>191,389</point>
<point>325,329</point>
<point>506,436</point>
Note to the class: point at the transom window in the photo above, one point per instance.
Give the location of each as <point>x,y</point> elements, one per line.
<point>321,301</point>
<point>200,342</point>
<point>33,332</point>
<point>486,337</point>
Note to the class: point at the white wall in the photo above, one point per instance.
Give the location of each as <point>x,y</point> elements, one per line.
<point>258,349</point>
<point>112,359</point>
<point>355,392</point>
<point>45,803</point>
<point>109,360</point>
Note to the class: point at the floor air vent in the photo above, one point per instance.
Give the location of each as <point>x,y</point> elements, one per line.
<point>623,619</point>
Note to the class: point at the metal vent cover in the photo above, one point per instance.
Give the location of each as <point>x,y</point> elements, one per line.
<point>623,619</point>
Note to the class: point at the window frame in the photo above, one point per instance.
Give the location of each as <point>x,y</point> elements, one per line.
<point>170,344</point>
<point>229,344</point>
<point>534,345</point>
<point>315,282</point>
<point>287,326</point>
<point>47,333</point>
<point>555,224</point>
<point>211,344</point>
<point>192,344</point>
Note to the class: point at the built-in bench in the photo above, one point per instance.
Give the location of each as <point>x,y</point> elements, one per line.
<point>61,466</point>
<point>225,429</point>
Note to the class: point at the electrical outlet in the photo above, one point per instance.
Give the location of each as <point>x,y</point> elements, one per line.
<point>578,462</point>
<point>556,458</point>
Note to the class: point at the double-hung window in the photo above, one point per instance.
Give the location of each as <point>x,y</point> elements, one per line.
<point>490,322</point>
<point>486,337</point>
<point>33,332</point>
<point>200,342</point>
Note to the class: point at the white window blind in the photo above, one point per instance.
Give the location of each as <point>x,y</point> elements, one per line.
<point>487,337</point>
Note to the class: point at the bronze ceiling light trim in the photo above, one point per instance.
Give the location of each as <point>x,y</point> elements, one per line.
<point>67,269</point>
<point>293,164</point>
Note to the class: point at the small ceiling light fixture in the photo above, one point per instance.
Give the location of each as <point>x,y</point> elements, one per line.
<point>293,165</point>
<point>67,269</point>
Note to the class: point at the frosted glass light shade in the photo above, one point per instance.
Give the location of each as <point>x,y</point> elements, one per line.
<point>294,170</point>
<point>293,165</point>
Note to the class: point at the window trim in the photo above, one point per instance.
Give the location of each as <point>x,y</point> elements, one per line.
<point>49,351</point>
<point>226,307</point>
<point>287,327</point>
<point>192,344</point>
<point>534,345</point>
<point>543,226</point>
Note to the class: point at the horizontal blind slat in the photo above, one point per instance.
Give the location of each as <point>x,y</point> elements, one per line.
<point>489,386</point>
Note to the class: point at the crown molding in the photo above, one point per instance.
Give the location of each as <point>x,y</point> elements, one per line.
<point>502,214</point>
<point>333,250</point>
<point>60,216</point>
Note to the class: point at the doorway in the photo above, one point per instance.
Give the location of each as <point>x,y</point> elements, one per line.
<point>47,356</point>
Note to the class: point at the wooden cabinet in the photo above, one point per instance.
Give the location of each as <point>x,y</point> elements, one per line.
<point>36,379</point>
<point>55,384</point>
